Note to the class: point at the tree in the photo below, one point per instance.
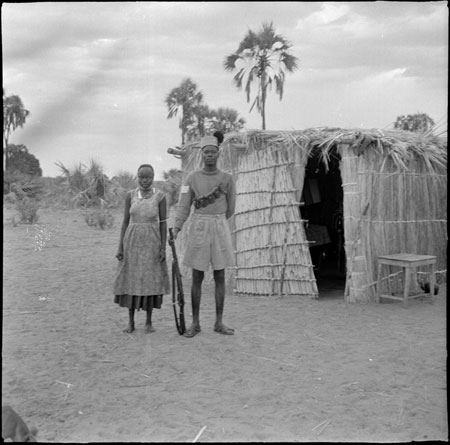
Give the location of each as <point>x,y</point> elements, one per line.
<point>263,58</point>
<point>199,121</point>
<point>207,120</point>
<point>14,115</point>
<point>419,122</point>
<point>24,174</point>
<point>226,120</point>
<point>22,161</point>
<point>183,100</point>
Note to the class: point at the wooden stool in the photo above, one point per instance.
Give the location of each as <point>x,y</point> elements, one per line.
<point>409,261</point>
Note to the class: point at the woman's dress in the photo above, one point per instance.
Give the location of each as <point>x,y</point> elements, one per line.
<point>142,278</point>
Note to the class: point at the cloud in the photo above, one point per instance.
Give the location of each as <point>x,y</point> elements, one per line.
<point>379,80</point>
<point>329,12</point>
<point>95,74</point>
<point>375,35</point>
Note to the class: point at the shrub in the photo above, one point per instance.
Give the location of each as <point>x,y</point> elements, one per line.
<point>27,208</point>
<point>89,187</point>
<point>10,198</point>
<point>22,184</point>
<point>100,218</point>
<point>54,195</point>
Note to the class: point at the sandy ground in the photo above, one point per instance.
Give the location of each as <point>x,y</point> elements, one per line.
<point>296,370</point>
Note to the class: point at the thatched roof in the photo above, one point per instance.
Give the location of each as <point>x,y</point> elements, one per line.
<point>401,146</point>
<point>402,175</point>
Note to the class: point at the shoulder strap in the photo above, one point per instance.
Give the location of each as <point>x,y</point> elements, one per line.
<point>159,194</point>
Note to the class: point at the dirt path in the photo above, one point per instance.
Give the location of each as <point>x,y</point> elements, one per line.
<point>296,370</point>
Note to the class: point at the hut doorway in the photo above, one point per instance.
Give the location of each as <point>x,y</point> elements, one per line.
<point>322,207</point>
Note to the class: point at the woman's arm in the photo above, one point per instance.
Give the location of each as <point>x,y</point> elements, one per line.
<point>163,228</point>
<point>123,229</point>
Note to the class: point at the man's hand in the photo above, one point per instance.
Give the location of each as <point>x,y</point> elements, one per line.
<point>162,254</point>
<point>175,232</point>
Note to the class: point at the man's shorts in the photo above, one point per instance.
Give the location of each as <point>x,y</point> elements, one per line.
<point>209,242</point>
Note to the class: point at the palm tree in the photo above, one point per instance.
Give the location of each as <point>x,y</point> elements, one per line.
<point>183,100</point>
<point>200,117</point>
<point>261,57</point>
<point>14,115</point>
<point>226,120</point>
<point>87,186</point>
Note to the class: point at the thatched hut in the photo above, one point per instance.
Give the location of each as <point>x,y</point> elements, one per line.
<point>388,189</point>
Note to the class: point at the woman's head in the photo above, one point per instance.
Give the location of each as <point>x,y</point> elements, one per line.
<point>145,175</point>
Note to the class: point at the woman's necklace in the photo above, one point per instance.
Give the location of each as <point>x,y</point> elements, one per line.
<point>144,194</point>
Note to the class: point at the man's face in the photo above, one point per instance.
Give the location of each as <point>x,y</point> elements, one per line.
<point>210,154</point>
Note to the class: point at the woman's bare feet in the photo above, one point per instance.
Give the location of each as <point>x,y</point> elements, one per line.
<point>149,329</point>
<point>129,329</point>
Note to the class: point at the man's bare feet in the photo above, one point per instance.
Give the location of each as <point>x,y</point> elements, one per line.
<point>192,331</point>
<point>222,329</point>
<point>129,329</point>
<point>148,329</point>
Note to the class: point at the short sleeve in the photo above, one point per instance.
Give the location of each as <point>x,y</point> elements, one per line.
<point>160,195</point>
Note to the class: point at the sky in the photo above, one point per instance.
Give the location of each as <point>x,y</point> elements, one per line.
<point>95,75</point>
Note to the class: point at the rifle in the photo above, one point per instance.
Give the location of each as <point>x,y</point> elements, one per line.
<point>177,288</point>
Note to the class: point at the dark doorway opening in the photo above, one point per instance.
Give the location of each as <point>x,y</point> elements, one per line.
<point>322,207</point>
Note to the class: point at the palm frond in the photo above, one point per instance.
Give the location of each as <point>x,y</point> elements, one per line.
<point>63,169</point>
<point>262,58</point>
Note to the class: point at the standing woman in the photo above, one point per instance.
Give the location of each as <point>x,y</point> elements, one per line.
<point>142,276</point>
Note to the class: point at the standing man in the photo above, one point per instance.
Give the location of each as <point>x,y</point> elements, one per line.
<point>213,194</point>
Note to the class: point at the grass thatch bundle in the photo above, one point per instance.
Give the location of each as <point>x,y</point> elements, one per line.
<point>398,177</point>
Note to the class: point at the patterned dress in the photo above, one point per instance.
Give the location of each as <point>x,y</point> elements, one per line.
<point>142,278</point>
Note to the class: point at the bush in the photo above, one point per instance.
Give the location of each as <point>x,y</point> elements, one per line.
<point>88,187</point>
<point>22,184</point>
<point>54,195</point>
<point>10,198</point>
<point>27,208</point>
<point>100,218</point>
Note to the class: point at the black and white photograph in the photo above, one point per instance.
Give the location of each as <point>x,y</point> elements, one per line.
<point>225,222</point>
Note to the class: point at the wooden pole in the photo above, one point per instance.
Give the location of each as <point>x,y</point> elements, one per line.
<point>352,257</point>
<point>283,268</point>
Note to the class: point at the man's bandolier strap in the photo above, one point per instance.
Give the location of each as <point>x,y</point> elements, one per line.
<point>206,200</point>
